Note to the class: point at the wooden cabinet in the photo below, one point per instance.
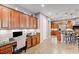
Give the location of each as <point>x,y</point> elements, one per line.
<point>27,21</point>
<point>38,38</point>
<point>34,40</point>
<point>22,20</point>
<point>59,37</point>
<point>0,15</point>
<point>54,33</point>
<point>28,42</point>
<point>31,22</point>
<point>8,49</point>
<point>15,19</point>
<point>69,25</point>
<point>57,34</point>
<point>35,23</point>
<point>54,25</point>
<point>5,17</point>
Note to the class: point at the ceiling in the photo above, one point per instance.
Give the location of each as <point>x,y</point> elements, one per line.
<point>55,11</point>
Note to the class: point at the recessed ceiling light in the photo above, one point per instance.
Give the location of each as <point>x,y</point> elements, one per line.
<point>42,5</point>
<point>16,8</point>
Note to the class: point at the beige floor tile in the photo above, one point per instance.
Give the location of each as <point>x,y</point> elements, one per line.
<point>47,47</point>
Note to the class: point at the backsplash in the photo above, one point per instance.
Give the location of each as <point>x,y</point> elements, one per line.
<point>6,34</point>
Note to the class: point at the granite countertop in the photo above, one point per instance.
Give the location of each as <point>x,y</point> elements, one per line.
<point>10,42</point>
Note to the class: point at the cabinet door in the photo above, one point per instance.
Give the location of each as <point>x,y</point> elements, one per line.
<point>69,25</point>
<point>15,19</point>
<point>54,25</point>
<point>31,22</point>
<point>29,43</point>
<point>2,50</point>
<point>5,17</point>
<point>9,49</point>
<point>27,21</point>
<point>0,15</point>
<point>34,40</point>
<point>38,38</point>
<point>35,23</point>
<point>22,21</point>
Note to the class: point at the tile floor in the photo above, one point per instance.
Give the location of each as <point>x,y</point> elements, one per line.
<point>47,47</point>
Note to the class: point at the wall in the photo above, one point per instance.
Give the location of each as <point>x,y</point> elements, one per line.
<point>43,26</point>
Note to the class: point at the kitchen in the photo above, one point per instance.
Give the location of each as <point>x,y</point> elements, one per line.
<point>21,29</point>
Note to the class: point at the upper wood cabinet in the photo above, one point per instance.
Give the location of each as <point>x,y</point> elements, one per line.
<point>15,19</point>
<point>5,17</point>
<point>69,25</point>
<point>27,21</point>
<point>54,25</point>
<point>33,22</point>
<point>22,20</point>
<point>0,15</point>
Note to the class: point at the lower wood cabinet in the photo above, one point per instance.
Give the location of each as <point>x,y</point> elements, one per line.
<point>28,42</point>
<point>34,40</point>
<point>8,49</point>
<point>58,35</point>
<point>38,38</point>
